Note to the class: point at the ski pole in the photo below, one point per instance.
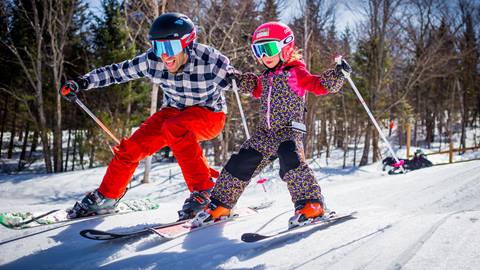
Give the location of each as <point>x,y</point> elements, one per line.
<point>347,75</point>
<point>235,89</point>
<point>79,103</point>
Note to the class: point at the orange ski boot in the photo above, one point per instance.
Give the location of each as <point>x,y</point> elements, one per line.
<point>211,214</point>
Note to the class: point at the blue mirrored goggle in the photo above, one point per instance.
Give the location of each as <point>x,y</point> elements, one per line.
<point>169,47</point>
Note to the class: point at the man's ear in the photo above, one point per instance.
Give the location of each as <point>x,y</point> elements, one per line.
<point>184,57</point>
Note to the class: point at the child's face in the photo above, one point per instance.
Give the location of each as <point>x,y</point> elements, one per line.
<point>271,62</point>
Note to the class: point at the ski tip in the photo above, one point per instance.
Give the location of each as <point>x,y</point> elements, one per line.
<point>352,214</point>
<point>252,237</point>
<point>98,235</point>
<point>8,222</point>
<point>262,206</point>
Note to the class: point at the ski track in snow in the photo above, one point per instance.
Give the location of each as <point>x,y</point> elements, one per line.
<point>411,251</point>
<point>426,219</point>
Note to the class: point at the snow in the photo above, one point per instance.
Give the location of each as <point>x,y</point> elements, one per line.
<point>426,219</point>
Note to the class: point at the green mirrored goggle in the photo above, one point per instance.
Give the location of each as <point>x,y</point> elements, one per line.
<point>270,48</point>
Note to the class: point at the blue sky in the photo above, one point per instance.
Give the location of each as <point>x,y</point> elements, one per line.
<point>345,16</point>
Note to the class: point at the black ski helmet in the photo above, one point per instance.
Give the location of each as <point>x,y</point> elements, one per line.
<point>172,26</point>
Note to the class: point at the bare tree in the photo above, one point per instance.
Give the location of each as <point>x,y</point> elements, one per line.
<point>59,20</point>
<point>31,61</point>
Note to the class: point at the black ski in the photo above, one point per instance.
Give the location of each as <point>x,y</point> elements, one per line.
<point>330,220</point>
<point>105,235</point>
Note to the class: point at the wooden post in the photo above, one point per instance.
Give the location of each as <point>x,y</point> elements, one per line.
<point>409,138</point>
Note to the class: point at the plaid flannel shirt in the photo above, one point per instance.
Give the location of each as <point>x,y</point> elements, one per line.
<point>200,83</point>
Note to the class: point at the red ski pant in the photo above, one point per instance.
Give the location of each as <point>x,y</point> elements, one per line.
<point>181,130</point>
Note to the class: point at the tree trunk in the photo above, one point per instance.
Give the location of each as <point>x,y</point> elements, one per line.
<point>43,120</point>
<point>478,105</point>
<point>331,131</point>
<point>11,145</point>
<point>81,149</point>
<point>153,109</point>
<point>317,143</point>
<point>217,154</point>
<point>44,137</point>
<point>417,109</point>
<point>345,133</point>
<point>91,156</point>
<point>33,148</point>
<point>375,148</point>
<point>128,111</point>
<point>57,137</point>
<point>355,147</point>
<point>22,161</point>
<point>39,90</point>
<point>415,131</point>
<point>68,149</point>
<point>20,136</point>
<point>440,130</point>
<point>429,125</point>
<point>225,140</point>
<point>464,113</point>
<point>323,131</point>
<point>310,120</point>
<point>92,149</point>
<point>74,153</point>
<point>366,148</point>
<point>3,122</point>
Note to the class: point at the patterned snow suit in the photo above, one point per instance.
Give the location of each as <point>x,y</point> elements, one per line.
<point>282,96</point>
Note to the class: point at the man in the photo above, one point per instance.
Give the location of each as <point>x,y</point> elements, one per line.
<point>192,77</point>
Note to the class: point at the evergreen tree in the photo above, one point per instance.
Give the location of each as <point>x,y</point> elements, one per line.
<point>270,11</point>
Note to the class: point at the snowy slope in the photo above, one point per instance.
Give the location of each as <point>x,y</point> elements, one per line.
<point>426,219</point>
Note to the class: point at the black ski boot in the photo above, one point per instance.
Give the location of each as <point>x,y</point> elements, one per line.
<point>94,203</point>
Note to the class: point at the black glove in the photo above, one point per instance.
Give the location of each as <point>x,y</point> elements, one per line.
<point>72,88</point>
<point>343,65</point>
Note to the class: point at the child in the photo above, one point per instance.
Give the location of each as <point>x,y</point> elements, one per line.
<point>281,89</point>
